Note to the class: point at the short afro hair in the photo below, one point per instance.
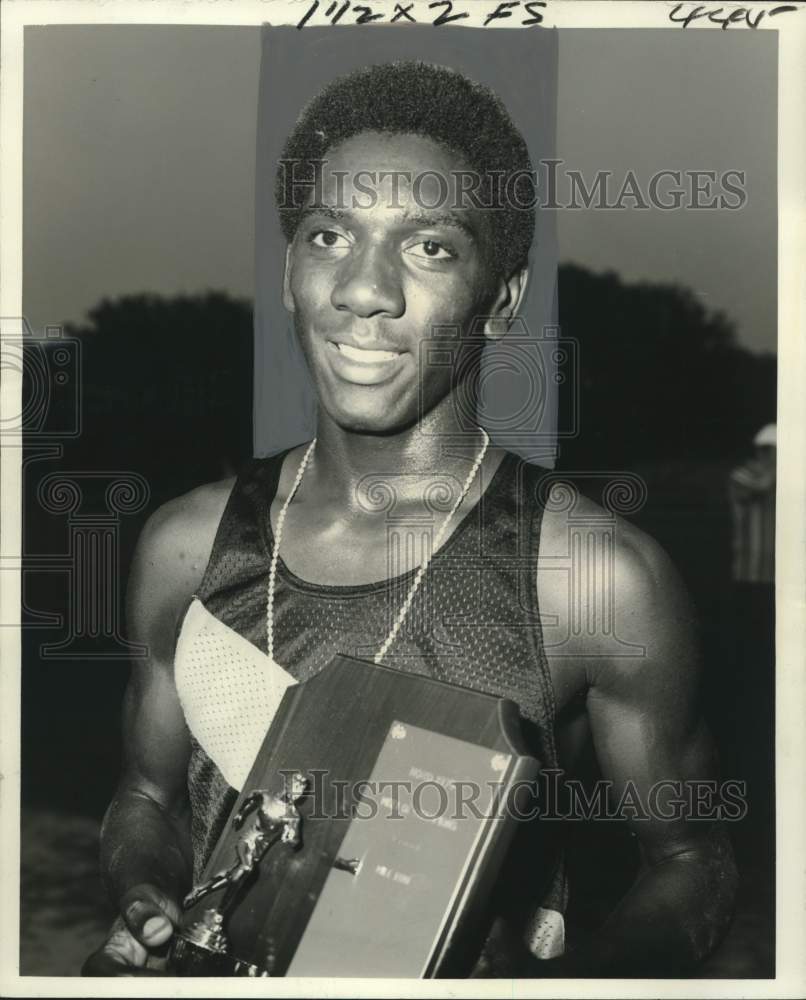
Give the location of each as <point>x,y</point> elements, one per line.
<point>432,101</point>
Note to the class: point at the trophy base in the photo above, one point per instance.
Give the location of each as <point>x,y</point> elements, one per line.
<point>203,950</point>
<point>191,959</point>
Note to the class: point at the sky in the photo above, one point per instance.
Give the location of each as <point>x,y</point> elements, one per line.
<point>139,162</point>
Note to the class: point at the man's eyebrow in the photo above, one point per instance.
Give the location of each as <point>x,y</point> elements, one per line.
<point>327,210</point>
<point>449,219</point>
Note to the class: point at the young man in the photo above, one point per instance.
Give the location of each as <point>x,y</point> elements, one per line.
<point>370,275</point>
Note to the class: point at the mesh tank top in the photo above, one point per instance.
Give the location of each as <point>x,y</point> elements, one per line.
<point>474,621</point>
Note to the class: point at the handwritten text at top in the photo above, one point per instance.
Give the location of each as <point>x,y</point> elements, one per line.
<point>686,14</point>
<point>524,13</point>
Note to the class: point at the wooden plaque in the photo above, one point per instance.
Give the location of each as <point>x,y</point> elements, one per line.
<point>404,827</point>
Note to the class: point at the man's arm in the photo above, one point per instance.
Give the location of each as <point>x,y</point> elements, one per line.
<point>146,856</point>
<point>647,729</point>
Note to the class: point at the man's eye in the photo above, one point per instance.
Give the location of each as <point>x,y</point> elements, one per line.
<point>430,250</point>
<point>329,240</point>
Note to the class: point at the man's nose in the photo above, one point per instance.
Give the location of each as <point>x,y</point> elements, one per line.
<point>368,284</point>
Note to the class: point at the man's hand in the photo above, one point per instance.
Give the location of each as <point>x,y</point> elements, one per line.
<point>506,956</point>
<point>139,939</point>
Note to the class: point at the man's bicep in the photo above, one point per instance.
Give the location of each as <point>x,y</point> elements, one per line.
<point>648,731</point>
<point>155,738</point>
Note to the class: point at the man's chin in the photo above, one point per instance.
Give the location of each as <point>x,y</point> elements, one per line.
<point>371,421</point>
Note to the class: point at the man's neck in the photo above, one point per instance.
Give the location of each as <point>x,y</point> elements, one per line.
<point>346,463</point>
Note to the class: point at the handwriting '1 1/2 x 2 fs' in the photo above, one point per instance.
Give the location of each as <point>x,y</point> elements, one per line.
<point>440,12</point>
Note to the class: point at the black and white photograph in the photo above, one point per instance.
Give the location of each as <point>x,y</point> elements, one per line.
<point>402,497</point>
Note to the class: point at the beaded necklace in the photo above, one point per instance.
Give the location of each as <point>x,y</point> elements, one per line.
<point>420,572</point>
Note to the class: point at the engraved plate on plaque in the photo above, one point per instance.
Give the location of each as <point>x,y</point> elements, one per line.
<point>404,860</point>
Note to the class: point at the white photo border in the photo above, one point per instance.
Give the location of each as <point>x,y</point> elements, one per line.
<point>790,980</point>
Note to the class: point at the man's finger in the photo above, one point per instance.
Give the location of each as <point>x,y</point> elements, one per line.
<point>147,922</point>
<point>149,916</point>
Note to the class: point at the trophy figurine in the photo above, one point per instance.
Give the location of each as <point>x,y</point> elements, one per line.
<point>203,947</point>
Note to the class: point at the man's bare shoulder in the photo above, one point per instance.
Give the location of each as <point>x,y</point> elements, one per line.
<point>601,577</point>
<point>185,526</point>
<point>172,554</point>
<point>638,557</point>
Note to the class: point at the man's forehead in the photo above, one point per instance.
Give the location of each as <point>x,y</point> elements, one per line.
<point>375,149</point>
<point>399,176</point>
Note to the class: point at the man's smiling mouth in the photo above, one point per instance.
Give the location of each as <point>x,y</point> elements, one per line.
<point>363,366</point>
<point>364,356</point>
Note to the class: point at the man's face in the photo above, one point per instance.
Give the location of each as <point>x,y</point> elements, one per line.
<point>372,273</point>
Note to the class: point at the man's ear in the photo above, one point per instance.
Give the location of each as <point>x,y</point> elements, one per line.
<point>507,302</point>
<point>288,298</point>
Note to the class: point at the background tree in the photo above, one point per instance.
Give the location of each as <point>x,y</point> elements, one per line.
<point>661,376</point>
